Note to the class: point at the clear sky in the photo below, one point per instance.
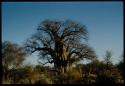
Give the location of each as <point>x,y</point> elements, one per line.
<point>104,21</point>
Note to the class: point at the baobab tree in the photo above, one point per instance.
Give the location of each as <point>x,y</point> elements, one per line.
<point>61,43</point>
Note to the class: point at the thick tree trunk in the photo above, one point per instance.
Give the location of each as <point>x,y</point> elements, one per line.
<point>61,62</point>
<point>60,67</point>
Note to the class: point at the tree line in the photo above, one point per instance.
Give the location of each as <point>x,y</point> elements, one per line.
<point>64,44</point>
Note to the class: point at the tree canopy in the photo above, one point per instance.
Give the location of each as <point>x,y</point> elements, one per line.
<point>12,55</point>
<point>61,43</point>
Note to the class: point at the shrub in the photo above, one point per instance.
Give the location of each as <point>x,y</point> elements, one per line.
<point>71,77</point>
<point>44,81</point>
<point>109,77</point>
<point>105,78</point>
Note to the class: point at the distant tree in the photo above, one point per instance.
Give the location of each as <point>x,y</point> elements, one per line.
<point>108,73</point>
<point>108,58</point>
<point>60,42</point>
<point>12,56</point>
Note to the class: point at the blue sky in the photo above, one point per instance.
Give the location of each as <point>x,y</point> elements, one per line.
<point>104,21</point>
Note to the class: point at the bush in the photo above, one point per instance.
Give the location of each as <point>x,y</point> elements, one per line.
<point>71,77</point>
<point>44,81</point>
<point>106,77</point>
